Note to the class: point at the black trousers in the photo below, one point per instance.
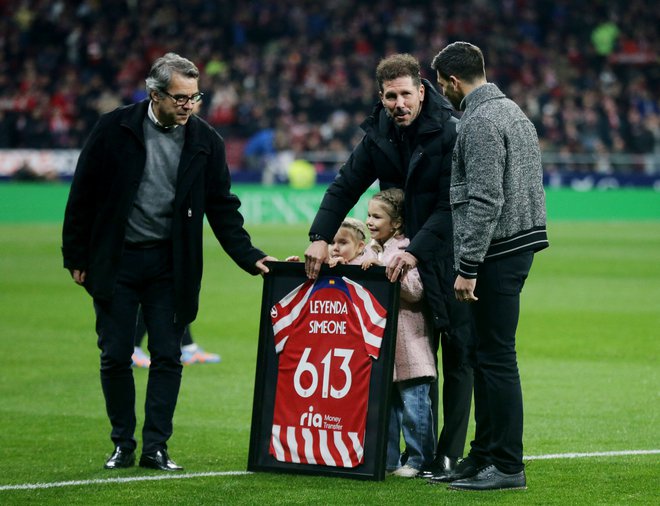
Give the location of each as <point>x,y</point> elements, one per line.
<point>141,331</point>
<point>498,402</point>
<point>145,279</point>
<point>457,379</point>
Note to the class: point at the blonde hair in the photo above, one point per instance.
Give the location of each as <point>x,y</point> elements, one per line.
<point>357,227</point>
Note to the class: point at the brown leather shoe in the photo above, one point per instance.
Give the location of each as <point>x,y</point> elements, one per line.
<point>120,458</point>
<point>159,460</point>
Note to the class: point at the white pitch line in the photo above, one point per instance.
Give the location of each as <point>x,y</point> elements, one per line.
<point>35,486</point>
<point>592,454</point>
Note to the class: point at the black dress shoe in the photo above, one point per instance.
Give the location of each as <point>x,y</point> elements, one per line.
<point>120,458</point>
<point>159,460</point>
<point>440,465</point>
<point>491,478</point>
<point>464,468</point>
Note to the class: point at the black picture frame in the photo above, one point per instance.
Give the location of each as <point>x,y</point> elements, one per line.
<point>283,278</point>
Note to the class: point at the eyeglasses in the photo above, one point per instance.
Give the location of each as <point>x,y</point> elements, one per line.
<point>182,100</point>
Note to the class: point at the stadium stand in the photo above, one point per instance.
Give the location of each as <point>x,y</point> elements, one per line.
<point>586,73</point>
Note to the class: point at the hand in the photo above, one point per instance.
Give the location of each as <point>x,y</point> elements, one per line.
<point>464,289</point>
<point>292,258</point>
<point>369,262</point>
<point>399,265</point>
<point>332,261</point>
<point>78,276</point>
<point>262,266</point>
<point>315,255</point>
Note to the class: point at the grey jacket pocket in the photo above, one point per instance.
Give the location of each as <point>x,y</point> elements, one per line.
<point>458,194</point>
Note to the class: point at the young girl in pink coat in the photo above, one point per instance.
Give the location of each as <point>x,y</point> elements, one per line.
<point>414,360</point>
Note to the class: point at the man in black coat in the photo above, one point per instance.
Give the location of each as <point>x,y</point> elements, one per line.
<point>132,236</point>
<point>408,144</point>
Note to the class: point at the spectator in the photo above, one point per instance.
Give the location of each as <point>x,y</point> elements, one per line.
<point>264,60</point>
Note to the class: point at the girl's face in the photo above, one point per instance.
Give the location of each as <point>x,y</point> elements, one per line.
<point>380,225</point>
<point>345,245</point>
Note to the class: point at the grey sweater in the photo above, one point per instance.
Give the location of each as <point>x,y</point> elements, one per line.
<point>497,196</point>
<point>150,220</point>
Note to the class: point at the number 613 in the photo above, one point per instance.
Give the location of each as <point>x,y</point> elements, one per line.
<point>304,366</point>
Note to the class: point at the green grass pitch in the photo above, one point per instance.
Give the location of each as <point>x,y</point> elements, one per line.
<point>588,345</point>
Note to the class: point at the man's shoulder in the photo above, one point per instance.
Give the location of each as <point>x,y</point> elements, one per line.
<point>499,112</point>
<point>204,129</point>
<point>128,110</point>
<point>130,114</point>
<point>489,100</point>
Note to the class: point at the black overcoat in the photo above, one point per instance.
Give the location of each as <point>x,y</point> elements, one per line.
<point>105,183</point>
<point>427,214</point>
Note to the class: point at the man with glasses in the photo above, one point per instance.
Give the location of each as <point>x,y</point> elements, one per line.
<point>132,236</point>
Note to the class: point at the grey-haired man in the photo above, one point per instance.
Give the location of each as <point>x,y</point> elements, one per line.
<point>132,236</point>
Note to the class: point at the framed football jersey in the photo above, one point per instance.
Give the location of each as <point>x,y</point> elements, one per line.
<point>324,371</point>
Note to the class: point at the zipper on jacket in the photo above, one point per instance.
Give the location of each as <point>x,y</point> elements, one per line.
<point>189,212</point>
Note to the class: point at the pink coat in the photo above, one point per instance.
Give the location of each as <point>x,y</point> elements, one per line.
<point>414,357</point>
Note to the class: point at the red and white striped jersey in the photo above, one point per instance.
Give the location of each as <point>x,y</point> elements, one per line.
<point>326,334</point>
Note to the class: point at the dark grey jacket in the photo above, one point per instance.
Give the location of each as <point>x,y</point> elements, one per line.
<point>497,196</point>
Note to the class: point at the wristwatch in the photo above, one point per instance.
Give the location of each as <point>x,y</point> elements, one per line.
<point>316,237</point>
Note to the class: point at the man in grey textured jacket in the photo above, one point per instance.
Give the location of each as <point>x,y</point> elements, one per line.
<point>498,210</point>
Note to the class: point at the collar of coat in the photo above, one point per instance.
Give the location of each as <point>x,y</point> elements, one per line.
<point>483,93</point>
<point>199,137</point>
<point>399,241</point>
<point>133,116</point>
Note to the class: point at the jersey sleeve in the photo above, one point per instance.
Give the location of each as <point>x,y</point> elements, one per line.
<point>283,315</point>
<point>372,316</point>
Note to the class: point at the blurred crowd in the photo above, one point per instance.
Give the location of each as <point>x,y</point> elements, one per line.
<point>290,77</point>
